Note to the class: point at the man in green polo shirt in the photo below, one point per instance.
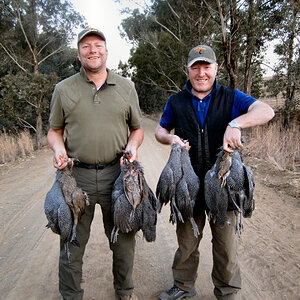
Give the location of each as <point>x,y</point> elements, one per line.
<point>94,116</point>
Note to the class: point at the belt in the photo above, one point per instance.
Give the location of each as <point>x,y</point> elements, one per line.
<point>79,164</point>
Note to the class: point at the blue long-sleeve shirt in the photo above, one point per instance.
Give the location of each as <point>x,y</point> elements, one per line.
<point>241,104</point>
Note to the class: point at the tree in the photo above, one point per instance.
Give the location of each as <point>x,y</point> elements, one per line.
<point>161,37</point>
<point>287,70</point>
<point>237,30</point>
<point>26,101</point>
<point>39,31</point>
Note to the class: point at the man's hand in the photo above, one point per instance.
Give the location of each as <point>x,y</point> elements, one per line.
<point>60,161</point>
<point>232,139</point>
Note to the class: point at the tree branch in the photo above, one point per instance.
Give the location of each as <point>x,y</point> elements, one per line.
<point>25,35</point>
<point>60,49</point>
<point>166,28</point>
<point>25,124</point>
<point>13,58</point>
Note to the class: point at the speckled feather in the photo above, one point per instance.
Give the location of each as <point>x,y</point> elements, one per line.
<point>236,194</point>
<point>134,207</point>
<point>179,185</point>
<point>58,213</point>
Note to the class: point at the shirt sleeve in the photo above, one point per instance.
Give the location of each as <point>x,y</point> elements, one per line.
<point>56,118</point>
<point>167,120</point>
<point>241,104</point>
<point>135,111</point>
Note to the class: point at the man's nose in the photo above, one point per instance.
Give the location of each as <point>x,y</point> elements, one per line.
<point>93,48</point>
<point>200,72</point>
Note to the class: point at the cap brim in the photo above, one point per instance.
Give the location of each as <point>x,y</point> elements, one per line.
<point>210,61</point>
<point>92,33</point>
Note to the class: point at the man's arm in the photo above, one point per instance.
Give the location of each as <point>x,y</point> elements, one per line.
<point>258,113</point>
<point>135,140</point>
<point>55,138</point>
<point>164,136</point>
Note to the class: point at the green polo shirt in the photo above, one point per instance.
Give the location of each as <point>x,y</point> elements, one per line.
<point>96,122</point>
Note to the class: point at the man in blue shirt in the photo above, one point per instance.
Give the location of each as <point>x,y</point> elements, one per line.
<point>209,116</point>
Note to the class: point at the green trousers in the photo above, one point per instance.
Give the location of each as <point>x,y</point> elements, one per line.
<point>98,184</point>
<point>225,273</point>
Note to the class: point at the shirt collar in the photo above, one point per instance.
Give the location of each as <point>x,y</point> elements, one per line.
<point>111,77</point>
<point>188,87</point>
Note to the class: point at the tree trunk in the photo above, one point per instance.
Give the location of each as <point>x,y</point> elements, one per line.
<point>39,129</point>
<point>291,81</point>
<point>249,48</point>
<point>229,42</point>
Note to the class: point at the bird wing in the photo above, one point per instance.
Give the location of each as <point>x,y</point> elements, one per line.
<point>249,203</point>
<point>216,197</point>
<point>165,188</point>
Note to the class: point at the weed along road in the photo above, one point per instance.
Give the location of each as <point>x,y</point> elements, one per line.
<point>269,246</point>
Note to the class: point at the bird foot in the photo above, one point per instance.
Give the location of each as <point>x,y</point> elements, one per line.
<point>114,234</point>
<point>67,250</point>
<point>195,227</point>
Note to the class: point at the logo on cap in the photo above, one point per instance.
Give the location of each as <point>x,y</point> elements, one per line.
<point>199,50</point>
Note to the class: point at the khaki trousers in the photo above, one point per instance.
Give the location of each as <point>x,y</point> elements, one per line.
<point>225,273</point>
<point>98,184</point>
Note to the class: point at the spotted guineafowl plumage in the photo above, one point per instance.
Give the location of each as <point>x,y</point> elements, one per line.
<point>58,214</point>
<point>134,206</point>
<point>230,189</point>
<point>64,205</point>
<point>179,185</point>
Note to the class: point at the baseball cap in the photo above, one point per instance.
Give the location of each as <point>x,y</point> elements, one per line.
<point>201,53</point>
<point>88,31</point>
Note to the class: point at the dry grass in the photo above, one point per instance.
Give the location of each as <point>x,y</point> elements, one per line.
<point>15,147</point>
<point>279,145</point>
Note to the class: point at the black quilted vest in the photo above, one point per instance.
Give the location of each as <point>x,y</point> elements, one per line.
<point>204,142</point>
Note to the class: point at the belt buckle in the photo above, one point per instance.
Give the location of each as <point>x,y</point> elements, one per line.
<point>99,167</point>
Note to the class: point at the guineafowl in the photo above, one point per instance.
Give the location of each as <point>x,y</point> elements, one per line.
<point>58,213</point>
<point>168,180</point>
<point>134,205</point>
<point>229,185</point>
<point>179,184</point>
<point>76,199</point>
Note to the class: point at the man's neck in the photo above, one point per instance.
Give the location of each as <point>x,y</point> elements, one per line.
<point>97,77</point>
<point>200,95</point>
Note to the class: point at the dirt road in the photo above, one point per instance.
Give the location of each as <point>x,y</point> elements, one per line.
<point>269,245</point>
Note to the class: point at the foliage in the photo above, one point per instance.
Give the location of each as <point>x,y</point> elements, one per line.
<point>23,98</point>
<point>163,33</point>
<point>34,37</point>
<point>287,71</point>
<point>39,29</point>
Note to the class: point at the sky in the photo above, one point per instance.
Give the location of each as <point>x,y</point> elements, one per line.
<point>106,16</point>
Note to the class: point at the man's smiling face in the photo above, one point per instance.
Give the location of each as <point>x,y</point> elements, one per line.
<point>92,53</point>
<point>202,76</point>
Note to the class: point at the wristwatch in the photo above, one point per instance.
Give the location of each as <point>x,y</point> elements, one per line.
<point>234,124</point>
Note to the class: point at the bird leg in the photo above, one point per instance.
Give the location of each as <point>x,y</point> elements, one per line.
<point>74,239</point>
<point>68,254</point>
<point>195,227</point>
<point>114,234</point>
<point>176,211</point>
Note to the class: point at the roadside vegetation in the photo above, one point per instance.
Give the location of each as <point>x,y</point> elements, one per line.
<point>276,143</point>
<point>273,142</point>
<point>14,147</point>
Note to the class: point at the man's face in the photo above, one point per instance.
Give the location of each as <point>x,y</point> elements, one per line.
<point>202,76</point>
<point>92,53</point>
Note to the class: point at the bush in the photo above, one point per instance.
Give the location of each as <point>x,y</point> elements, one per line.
<point>13,147</point>
<point>276,143</point>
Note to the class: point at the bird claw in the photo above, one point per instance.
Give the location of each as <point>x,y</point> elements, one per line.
<point>195,227</point>
<point>114,234</point>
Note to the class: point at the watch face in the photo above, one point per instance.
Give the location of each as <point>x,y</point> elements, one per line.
<point>234,124</point>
